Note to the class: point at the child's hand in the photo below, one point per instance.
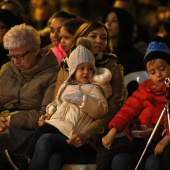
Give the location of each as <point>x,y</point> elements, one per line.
<point>41,120</point>
<point>109,138</point>
<point>161,145</point>
<point>4,123</point>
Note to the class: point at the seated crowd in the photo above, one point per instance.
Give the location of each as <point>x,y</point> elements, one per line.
<point>65,102</point>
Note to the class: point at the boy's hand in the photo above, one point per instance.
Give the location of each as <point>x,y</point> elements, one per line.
<point>109,138</point>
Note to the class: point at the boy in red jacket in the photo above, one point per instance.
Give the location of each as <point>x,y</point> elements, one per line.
<point>140,113</point>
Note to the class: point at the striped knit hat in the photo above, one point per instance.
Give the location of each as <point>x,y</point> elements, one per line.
<point>81,54</point>
<point>157,49</point>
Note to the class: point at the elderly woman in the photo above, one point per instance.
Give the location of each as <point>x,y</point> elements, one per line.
<point>27,85</point>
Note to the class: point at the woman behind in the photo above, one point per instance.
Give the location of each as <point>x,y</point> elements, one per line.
<point>84,144</point>
<point>120,25</point>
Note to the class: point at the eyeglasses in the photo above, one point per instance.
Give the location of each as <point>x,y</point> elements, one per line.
<point>18,57</point>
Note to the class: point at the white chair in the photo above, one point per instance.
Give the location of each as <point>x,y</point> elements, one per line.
<point>138,76</point>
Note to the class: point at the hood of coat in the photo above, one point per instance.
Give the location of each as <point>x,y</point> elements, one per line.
<point>47,60</point>
<point>103,76</point>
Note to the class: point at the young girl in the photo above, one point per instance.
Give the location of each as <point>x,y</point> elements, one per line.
<point>142,108</point>
<point>79,102</point>
<point>55,23</point>
<point>67,32</point>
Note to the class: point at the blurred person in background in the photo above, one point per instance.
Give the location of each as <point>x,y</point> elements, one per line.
<point>40,12</point>
<point>130,6</point>
<point>16,8</point>
<point>7,20</point>
<point>120,26</point>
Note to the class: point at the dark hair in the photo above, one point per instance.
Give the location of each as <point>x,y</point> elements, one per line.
<point>8,18</point>
<point>19,9</point>
<point>73,24</point>
<point>158,39</point>
<point>126,25</point>
<point>85,29</point>
<point>61,14</point>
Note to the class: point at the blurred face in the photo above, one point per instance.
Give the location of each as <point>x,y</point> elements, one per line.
<point>3,30</point>
<point>66,39</point>
<point>112,25</point>
<point>98,39</point>
<point>41,13</point>
<point>55,27</point>
<point>158,70</point>
<point>23,58</point>
<point>10,7</point>
<point>84,73</point>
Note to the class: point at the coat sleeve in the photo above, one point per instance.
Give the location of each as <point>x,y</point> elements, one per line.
<point>97,128</point>
<point>95,103</point>
<point>131,109</point>
<point>27,119</point>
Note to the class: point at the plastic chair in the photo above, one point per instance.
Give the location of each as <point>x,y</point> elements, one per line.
<point>132,81</point>
<point>138,76</point>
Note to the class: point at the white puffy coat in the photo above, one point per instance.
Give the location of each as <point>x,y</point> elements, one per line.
<point>71,118</point>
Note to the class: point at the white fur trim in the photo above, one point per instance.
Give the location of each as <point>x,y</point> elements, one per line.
<point>103,76</point>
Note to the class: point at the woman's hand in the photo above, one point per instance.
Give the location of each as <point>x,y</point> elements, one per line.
<point>4,123</point>
<point>109,138</point>
<point>78,139</point>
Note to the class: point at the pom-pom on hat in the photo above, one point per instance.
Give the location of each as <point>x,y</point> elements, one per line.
<point>81,54</point>
<point>157,49</point>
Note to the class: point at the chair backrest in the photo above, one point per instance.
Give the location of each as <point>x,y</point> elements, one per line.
<point>132,81</point>
<point>138,76</point>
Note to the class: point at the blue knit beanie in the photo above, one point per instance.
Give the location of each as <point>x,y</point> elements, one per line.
<point>157,49</point>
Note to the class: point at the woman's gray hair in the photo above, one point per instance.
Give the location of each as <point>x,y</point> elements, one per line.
<point>21,35</point>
